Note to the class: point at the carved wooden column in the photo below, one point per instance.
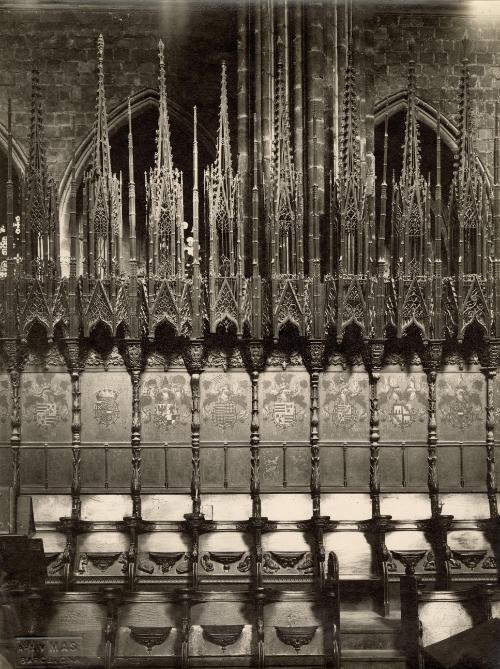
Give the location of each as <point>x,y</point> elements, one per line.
<point>437,526</point>
<point>184,596</point>
<point>111,599</point>
<point>134,524</point>
<point>314,361</point>
<point>432,363</point>
<point>73,525</point>
<point>14,366</point>
<point>134,355</point>
<point>74,365</point>
<point>317,524</point>
<point>490,362</point>
<point>255,364</point>
<point>375,365</point>
<point>195,522</point>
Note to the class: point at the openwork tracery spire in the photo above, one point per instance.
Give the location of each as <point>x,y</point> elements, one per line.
<point>285,206</point>
<point>469,207</point>
<point>411,198</point>
<point>165,209</point>
<point>41,230</point>
<point>351,188</point>
<point>223,195</point>
<point>103,233</point>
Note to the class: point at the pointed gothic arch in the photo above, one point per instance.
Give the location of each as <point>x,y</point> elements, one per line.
<point>144,100</point>
<point>426,114</point>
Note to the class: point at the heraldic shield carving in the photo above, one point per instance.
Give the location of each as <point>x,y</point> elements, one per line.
<point>46,400</point>
<point>166,407</point>
<point>225,406</point>
<point>460,406</point>
<point>344,406</point>
<point>285,405</point>
<point>403,406</point>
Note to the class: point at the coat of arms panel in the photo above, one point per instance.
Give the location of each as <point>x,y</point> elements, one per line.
<point>225,406</point>
<point>5,408</point>
<point>46,407</point>
<point>461,406</point>
<point>403,402</point>
<point>284,406</point>
<point>166,407</point>
<point>344,408</point>
<point>107,409</point>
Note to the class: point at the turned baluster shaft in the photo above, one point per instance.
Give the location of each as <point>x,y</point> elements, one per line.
<point>491,486</point>
<point>254,448</point>
<point>135,485</point>
<point>374,444</point>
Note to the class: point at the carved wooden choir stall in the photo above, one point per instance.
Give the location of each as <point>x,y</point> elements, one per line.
<point>227,439</point>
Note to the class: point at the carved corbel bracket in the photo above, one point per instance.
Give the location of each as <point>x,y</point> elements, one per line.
<point>193,356</point>
<point>196,523</point>
<point>15,354</point>
<point>314,355</point>
<point>72,353</point>
<point>375,356</point>
<point>255,356</point>
<point>489,355</point>
<point>433,356</point>
<point>133,356</point>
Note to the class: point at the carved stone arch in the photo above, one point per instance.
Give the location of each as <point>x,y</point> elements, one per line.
<point>19,156</point>
<point>427,114</point>
<point>117,118</point>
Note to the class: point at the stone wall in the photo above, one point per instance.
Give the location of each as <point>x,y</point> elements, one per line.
<point>61,43</point>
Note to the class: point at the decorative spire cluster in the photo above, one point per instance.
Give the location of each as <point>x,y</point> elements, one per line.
<point>469,206</point>
<point>411,198</point>
<point>285,206</point>
<point>222,193</point>
<point>41,230</point>
<point>102,234</point>
<point>432,271</point>
<point>351,190</point>
<point>164,192</point>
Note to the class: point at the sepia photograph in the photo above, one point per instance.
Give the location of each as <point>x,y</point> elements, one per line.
<point>249,334</point>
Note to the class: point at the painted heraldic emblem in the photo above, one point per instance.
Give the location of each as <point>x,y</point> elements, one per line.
<point>403,400</point>
<point>344,400</point>
<point>45,402</point>
<point>165,401</point>
<point>460,402</point>
<point>225,402</point>
<point>106,409</point>
<point>284,400</point>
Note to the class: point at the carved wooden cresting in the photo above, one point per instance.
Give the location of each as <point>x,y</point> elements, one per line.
<point>226,424</point>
